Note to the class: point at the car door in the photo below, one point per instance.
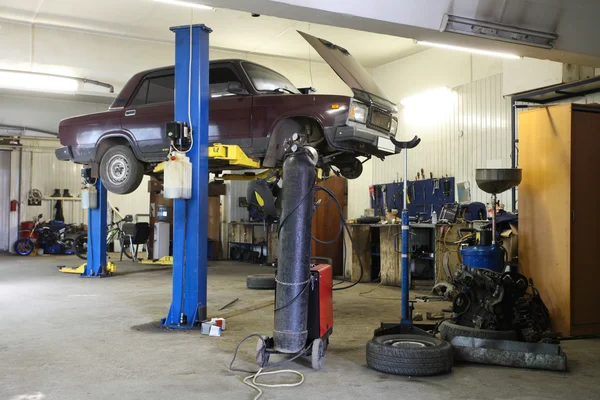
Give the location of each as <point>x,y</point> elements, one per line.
<point>230,107</point>
<point>146,116</point>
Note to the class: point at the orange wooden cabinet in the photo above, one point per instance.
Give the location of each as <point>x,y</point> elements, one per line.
<point>559,152</point>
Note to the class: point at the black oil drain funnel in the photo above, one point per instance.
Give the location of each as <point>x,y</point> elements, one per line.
<point>293,273</point>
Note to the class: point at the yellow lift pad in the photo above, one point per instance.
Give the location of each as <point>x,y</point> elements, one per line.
<point>167,260</point>
<point>231,153</point>
<point>110,268</point>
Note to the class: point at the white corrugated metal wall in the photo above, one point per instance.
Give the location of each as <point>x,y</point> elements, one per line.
<point>471,131</point>
<point>4,199</point>
<point>41,170</point>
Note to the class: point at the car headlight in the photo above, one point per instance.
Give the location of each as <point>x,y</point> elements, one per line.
<point>358,112</point>
<point>394,127</point>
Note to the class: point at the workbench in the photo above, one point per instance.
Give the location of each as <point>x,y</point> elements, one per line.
<point>432,248</point>
<point>248,238</point>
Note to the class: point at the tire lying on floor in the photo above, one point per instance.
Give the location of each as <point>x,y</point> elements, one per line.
<point>411,355</point>
<point>261,281</point>
<point>449,330</point>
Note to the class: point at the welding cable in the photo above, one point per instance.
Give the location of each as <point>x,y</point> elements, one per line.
<point>345,225</point>
<point>337,237</point>
<point>255,374</point>
<point>296,297</point>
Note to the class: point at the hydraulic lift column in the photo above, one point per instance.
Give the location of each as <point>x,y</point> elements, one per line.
<point>188,306</point>
<point>96,256</point>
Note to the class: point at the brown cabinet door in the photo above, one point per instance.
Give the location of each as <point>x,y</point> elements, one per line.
<point>585,234</point>
<point>326,224</point>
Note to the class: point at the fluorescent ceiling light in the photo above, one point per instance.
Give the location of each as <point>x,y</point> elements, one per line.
<point>186,4</point>
<point>469,50</point>
<point>430,98</point>
<point>37,82</point>
<point>504,33</point>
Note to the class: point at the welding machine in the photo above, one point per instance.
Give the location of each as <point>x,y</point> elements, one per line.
<point>319,319</point>
<point>303,307</point>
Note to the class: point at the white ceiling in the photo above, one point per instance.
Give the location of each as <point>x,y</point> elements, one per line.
<point>235,30</point>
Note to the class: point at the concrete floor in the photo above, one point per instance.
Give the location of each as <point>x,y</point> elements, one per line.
<point>67,338</point>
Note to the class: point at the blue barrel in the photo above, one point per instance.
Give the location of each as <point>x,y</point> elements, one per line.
<point>489,257</point>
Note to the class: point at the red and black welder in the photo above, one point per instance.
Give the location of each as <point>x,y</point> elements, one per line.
<point>303,319</point>
<point>319,318</point>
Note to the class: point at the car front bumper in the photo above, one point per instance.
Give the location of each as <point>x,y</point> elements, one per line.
<point>358,138</point>
<point>64,153</point>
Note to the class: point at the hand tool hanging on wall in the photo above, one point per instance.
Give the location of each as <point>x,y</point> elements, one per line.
<point>446,188</point>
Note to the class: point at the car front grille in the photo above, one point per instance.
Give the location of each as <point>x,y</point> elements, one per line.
<point>380,120</point>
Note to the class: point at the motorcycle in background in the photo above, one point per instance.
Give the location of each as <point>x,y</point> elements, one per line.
<point>45,236</point>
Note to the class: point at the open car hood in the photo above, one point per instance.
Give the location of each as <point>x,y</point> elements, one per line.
<point>351,72</point>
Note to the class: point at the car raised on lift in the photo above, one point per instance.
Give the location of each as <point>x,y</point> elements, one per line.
<point>250,106</point>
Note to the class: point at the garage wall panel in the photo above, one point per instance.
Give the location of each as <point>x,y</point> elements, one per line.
<point>115,59</point>
<point>471,131</point>
<point>42,113</point>
<point>4,199</point>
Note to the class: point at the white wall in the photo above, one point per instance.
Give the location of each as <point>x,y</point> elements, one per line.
<point>471,130</point>
<point>115,59</point>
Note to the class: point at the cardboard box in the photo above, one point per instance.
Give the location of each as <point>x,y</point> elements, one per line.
<point>510,240</point>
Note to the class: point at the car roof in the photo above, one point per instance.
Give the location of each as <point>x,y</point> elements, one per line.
<point>227,60</point>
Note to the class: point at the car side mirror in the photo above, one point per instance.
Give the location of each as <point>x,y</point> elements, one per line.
<point>128,218</point>
<point>236,88</point>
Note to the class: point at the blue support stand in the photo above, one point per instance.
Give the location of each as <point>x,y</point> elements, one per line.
<point>406,317</point>
<point>96,257</point>
<point>188,304</point>
<point>406,325</point>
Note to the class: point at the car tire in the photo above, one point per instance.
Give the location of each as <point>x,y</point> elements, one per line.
<point>409,355</point>
<point>120,171</point>
<point>261,282</point>
<point>449,330</point>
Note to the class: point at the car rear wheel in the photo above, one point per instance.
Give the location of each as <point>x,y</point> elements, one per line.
<point>120,171</point>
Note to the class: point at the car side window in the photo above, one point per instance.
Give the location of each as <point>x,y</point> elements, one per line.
<point>155,90</point>
<point>220,79</point>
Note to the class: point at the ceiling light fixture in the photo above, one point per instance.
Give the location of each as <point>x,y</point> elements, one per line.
<point>469,50</point>
<point>186,4</point>
<point>40,83</point>
<point>504,33</point>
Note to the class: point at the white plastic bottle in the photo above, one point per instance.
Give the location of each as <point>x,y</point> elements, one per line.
<point>89,197</point>
<point>434,217</point>
<point>178,177</point>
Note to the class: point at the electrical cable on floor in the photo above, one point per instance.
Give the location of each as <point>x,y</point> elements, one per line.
<point>256,374</point>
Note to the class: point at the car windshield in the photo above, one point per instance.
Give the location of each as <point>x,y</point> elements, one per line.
<point>267,80</point>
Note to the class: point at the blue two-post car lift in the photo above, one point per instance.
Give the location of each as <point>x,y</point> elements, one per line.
<point>188,306</point>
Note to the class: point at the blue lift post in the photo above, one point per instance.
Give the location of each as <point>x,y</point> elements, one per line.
<point>96,257</point>
<point>188,304</point>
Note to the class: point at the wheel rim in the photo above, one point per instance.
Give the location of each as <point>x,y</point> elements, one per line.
<point>24,247</point>
<point>69,246</point>
<point>117,169</point>
<point>407,343</point>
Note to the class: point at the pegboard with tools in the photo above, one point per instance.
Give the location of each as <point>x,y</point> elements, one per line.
<point>424,196</point>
